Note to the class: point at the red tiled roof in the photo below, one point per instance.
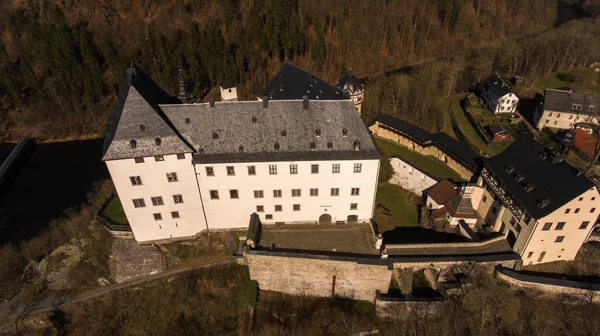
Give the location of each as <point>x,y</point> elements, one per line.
<point>585,142</point>
<point>442,192</point>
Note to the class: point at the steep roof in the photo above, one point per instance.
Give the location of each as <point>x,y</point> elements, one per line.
<point>350,83</point>
<point>283,131</point>
<point>562,101</point>
<point>137,117</point>
<point>460,207</point>
<point>402,126</point>
<point>496,85</point>
<point>292,82</point>
<point>498,128</point>
<point>553,183</point>
<point>442,192</point>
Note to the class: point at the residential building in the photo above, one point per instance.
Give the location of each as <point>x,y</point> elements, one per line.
<point>228,91</point>
<point>563,109</point>
<point>499,132</point>
<point>353,88</point>
<point>183,168</point>
<point>451,205</point>
<point>545,207</point>
<point>497,97</point>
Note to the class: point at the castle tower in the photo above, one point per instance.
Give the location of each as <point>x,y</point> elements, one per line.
<point>353,88</point>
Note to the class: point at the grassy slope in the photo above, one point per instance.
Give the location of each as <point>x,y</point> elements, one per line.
<point>465,126</point>
<point>581,80</point>
<point>115,212</point>
<point>403,213</point>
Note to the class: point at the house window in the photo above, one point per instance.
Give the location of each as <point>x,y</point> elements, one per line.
<point>278,208</point>
<point>593,198</point>
<point>159,158</point>
<point>157,200</point>
<point>210,171</point>
<point>518,227</point>
<point>293,169</point>
<point>576,210</point>
<point>567,211</point>
<point>230,171</point>
<point>330,145</point>
<point>172,177</point>
<point>484,199</point>
<point>559,239</point>
<point>233,193</point>
<point>260,208</point>
<point>556,122</point>
<point>314,192</point>
<point>335,191</point>
<point>268,217</point>
<point>139,203</point>
<point>251,170</point>
<point>530,254</point>
<point>157,141</point>
<point>355,192</point>
<point>296,192</point>
<point>591,108</point>
<point>157,216</point>
<point>296,207</point>
<point>180,156</point>
<point>357,167</point>
<point>560,226</point>
<point>593,209</point>
<point>174,214</point>
<point>214,194</point>
<point>135,180</point>
<point>353,206</point>
<point>313,146</point>
<point>547,226</point>
<point>314,169</point>
<point>584,225</point>
<point>277,193</point>
<point>241,149</point>
<point>335,168</point>
<point>133,143</point>
<point>570,116</point>
<point>558,115</point>
<point>494,210</point>
<point>272,169</point>
<point>258,194</point>
<point>550,114</point>
<point>580,199</point>
<point>139,160</point>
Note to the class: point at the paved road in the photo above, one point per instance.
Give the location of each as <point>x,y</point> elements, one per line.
<point>53,300</point>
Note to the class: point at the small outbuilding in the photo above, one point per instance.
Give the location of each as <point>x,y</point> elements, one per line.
<point>499,132</point>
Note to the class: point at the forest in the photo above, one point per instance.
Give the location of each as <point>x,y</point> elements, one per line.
<point>62,62</point>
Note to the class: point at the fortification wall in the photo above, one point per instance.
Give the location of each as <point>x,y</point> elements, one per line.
<point>402,307</point>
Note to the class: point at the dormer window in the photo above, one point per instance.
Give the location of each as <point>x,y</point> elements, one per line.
<point>576,107</point>
<point>157,141</point>
<point>254,119</point>
<point>591,108</point>
<point>187,120</point>
<point>241,149</point>
<point>283,133</point>
<point>318,132</point>
<point>201,150</point>
<point>313,146</point>
<point>276,146</point>
<point>133,143</point>
<point>356,145</point>
<point>330,145</point>
<point>215,135</point>
<point>510,169</point>
<point>344,132</point>
<point>142,127</point>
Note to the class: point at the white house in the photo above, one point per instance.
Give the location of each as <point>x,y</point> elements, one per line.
<point>566,110</point>
<point>183,168</point>
<point>228,91</point>
<point>497,96</point>
<point>411,178</point>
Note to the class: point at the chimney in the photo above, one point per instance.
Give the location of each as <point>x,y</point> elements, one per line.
<point>305,103</point>
<point>265,102</point>
<point>212,103</point>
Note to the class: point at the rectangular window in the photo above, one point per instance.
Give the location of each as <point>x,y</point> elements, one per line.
<point>157,216</point>
<point>335,191</point>
<point>139,160</point>
<point>580,199</point>
<point>484,199</point>
<point>268,217</point>
<point>530,254</point>
<point>355,192</point>
<point>260,208</point>
<point>159,158</point>
<point>277,193</point>
<point>357,167</point>
<point>560,226</point>
<point>314,169</point>
<point>584,225</point>
<point>233,193</point>
<point>214,194</point>
<point>567,211</point>
<point>174,214</point>
<point>278,208</point>
<point>518,227</point>
<point>210,171</point>
<point>178,198</point>
<point>180,156</point>
<point>251,170</point>
<point>272,169</point>
<point>314,192</point>
<point>592,210</point>
<point>335,168</point>
<point>293,169</point>
<point>157,200</point>
<point>353,206</point>
<point>172,177</point>
<point>230,171</point>
<point>547,226</point>
<point>550,114</point>
<point>296,192</point>
<point>258,194</point>
<point>494,210</point>
<point>559,239</point>
<point>576,210</point>
<point>296,207</point>
<point>558,115</point>
<point>135,180</point>
<point>139,203</point>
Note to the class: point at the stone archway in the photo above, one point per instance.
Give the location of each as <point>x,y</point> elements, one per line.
<point>325,219</point>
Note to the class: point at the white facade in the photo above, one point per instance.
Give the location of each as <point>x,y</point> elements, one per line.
<point>154,183</point>
<point>410,178</point>
<point>504,104</point>
<point>564,120</point>
<point>228,212</point>
<point>229,94</point>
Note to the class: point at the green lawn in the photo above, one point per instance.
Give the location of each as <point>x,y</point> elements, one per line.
<point>465,125</point>
<point>581,80</point>
<point>114,211</point>
<point>425,163</point>
<point>401,211</point>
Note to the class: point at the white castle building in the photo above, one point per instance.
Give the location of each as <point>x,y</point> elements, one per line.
<point>183,168</point>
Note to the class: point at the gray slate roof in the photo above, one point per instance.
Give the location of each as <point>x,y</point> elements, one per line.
<point>292,82</point>
<point>350,83</point>
<point>562,101</point>
<point>257,129</point>
<point>497,85</point>
<point>138,105</point>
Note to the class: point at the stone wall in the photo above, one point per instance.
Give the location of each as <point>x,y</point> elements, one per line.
<point>386,307</point>
<point>445,245</point>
